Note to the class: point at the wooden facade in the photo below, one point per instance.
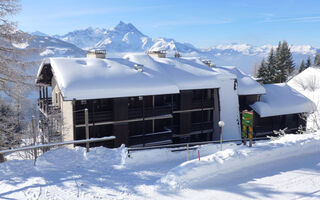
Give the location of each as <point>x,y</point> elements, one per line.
<point>150,120</point>
<point>265,126</point>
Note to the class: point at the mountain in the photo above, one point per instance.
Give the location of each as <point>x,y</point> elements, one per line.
<point>125,37</point>
<point>84,38</point>
<point>38,33</point>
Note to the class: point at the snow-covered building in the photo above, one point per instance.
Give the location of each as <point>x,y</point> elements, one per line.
<point>275,106</point>
<point>281,107</point>
<point>139,99</point>
<point>144,100</point>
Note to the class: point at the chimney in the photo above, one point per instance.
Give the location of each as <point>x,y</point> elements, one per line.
<point>96,53</point>
<point>138,67</point>
<point>177,54</point>
<point>208,63</point>
<point>157,54</point>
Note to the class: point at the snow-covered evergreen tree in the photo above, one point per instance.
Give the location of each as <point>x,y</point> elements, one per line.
<point>271,67</point>
<point>262,71</point>
<point>302,66</point>
<point>317,60</point>
<point>308,64</point>
<point>284,62</point>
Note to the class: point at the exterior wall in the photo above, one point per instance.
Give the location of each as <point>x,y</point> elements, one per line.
<point>189,116</point>
<point>56,94</point>
<point>266,125</point>
<point>120,130</point>
<point>67,116</point>
<point>246,100</point>
<point>229,113</point>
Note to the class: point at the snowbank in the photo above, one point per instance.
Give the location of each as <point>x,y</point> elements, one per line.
<point>308,84</point>
<point>154,174</point>
<point>224,162</point>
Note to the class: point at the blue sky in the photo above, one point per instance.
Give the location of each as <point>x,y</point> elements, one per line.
<point>203,23</point>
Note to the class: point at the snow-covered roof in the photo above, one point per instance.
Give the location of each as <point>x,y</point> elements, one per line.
<point>185,73</point>
<point>91,78</point>
<point>281,99</point>
<point>246,84</point>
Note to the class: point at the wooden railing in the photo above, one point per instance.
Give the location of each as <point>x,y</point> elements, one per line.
<point>46,107</point>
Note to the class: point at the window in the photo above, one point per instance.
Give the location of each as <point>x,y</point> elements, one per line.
<point>57,100</point>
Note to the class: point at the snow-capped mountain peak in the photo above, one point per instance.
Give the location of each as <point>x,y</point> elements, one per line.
<point>126,28</point>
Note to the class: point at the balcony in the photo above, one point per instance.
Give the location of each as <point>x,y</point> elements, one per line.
<point>94,117</point>
<point>205,103</point>
<point>149,112</point>
<point>165,135</point>
<point>202,126</point>
<point>196,128</point>
<point>46,107</point>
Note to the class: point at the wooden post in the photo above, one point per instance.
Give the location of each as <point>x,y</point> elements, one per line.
<point>34,132</point>
<point>220,138</point>
<point>1,158</point>
<point>153,109</point>
<point>188,152</point>
<point>86,120</point>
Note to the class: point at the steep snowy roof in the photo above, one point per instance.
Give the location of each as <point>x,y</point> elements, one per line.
<point>281,99</point>
<point>246,84</point>
<point>91,78</point>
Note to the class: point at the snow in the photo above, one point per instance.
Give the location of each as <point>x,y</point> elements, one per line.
<point>47,52</point>
<point>246,84</point>
<point>281,99</point>
<point>90,78</point>
<point>308,84</point>
<point>285,168</point>
<point>22,45</point>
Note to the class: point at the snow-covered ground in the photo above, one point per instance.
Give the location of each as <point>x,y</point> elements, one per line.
<point>286,168</point>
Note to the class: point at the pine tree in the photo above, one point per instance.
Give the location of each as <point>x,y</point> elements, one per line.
<point>317,60</point>
<point>278,74</point>
<point>271,67</point>
<point>308,64</point>
<point>302,66</point>
<point>284,63</point>
<point>262,71</point>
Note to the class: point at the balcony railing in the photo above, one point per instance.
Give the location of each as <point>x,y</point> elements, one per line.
<point>148,112</point>
<point>46,107</point>
<point>202,126</point>
<point>94,117</point>
<point>206,103</point>
<point>164,135</point>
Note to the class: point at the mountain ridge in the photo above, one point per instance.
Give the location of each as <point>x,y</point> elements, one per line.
<point>125,37</point>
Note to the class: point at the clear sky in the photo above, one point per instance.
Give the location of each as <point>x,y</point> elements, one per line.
<point>203,23</point>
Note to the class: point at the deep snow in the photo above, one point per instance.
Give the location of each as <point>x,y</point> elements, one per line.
<point>287,168</point>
